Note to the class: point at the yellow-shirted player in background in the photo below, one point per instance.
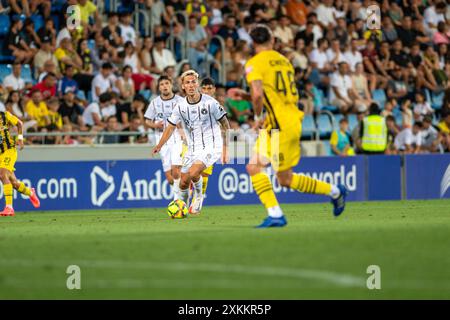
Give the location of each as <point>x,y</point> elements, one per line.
<point>270,76</point>
<point>8,158</point>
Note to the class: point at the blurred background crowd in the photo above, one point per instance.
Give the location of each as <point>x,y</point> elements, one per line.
<point>100,76</point>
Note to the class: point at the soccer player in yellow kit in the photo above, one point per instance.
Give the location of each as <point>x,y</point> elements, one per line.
<point>8,158</point>
<point>271,79</point>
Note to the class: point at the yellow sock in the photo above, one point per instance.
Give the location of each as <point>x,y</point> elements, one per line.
<point>264,190</point>
<point>23,189</point>
<point>205,184</point>
<point>8,191</point>
<point>306,184</point>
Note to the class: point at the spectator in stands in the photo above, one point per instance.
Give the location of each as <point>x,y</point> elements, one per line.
<point>112,31</point>
<point>135,126</point>
<point>67,82</point>
<point>341,86</point>
<point>419,32</point>
<point>321,66</point>
<point>112,125</point>
<point>20,7</point>
<point>284,32</point>
<point>334,54</point>
<point>92,115</point>
<point>240,109</point>
<point>373,132</point>
<point>88,10</point>
<point>47,87</point>
<point>103,82</point>
<point>125,85</point>
<point>433,15</point>
<point>16,44</point>
<point>14,81</point>
<point>30,36</point>
<point>307,35</point>
<point>352,56</point>
<point>430,136</point>
<point>258,10</point>
<point>444,125</point>
<point>37,110</point>
<point>15,106</point>
<point>244,30</point>
<point>229,29</point>
<point>393,131</point>
<point>48,32</point>
<point>405,32</point>
<point>44,54</point>
<point>196,37</point>
<point>360,88</point>
<point>70,111</point>
<point>67,55</point>
<point>128,32</point>
<point>162,57</point>
<point>442,36</point>
<point>389,32</point>
<point>49,67</point>
<point>56,122</point>
<point>432,62</point>
<point>341,140</point>
<point>325,14</point>
<point>408,140</point>
<point>421,107</point>
<point>397,88</point>
<point>389,107</point>
<point>216,20</point>
<point>199,10</point>
<point>141,78</point>
<point>297,11</point>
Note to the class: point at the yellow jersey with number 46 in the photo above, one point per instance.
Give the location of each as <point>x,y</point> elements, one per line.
<point>280,92</point>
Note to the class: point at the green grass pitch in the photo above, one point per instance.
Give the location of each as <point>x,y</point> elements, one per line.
<point>142,254</point>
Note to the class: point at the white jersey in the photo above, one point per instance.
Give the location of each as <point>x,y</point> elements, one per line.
<point>160,110</point>
<point>200,122</point>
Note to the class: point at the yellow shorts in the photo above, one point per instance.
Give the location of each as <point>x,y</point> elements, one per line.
<point>8,159</point>
<point>281,148</point>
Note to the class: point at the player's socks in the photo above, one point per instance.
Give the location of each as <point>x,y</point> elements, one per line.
<point>8,191</point>
<point>307,184</point>
<point>176,189</point>
<point>205,184</point>
<point>335,192</point>
<point>23,189</point>
<point>184,195</point>
<point>264,190</point>
<point>275,212</point>
<point>198,187</point>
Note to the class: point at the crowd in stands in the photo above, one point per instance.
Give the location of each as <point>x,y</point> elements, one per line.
<point>100,76</point>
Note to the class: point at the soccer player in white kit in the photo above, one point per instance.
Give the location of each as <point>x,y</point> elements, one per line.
<point>158,111</point>
<point>205,125</point>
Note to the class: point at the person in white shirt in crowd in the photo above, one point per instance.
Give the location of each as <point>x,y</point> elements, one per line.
<point>334,54</point>
<point>408,141</point>
<point>205,124</point>
<point>243,32</point>
<point>157,115</point>
<point>352,56</point>
<point>433,15</point>
<point>14,81</point>
<point>360,87</point>
<point>103,82</point>
<point>216,19</point>
<point>320,64</point>
<point>341,85</point>
<point>430,136</point>
<point>421,107</point>
<point>162,57</point>
<point>127,31</point>
<point>325,14</point>
<point>92,115</point>
<point>283,31</point>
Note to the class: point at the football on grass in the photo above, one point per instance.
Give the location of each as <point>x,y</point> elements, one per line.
<point>177,209</point>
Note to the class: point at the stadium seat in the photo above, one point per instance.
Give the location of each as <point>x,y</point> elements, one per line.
<point>398,118</point>
<point>309,129</point>
<point>324,125</point>
<point>38,21</point>
<point>327,146</point>
<point>4,71</point>
<point>57,5</point>
<point>5,25</point>
<point>379,96</point>
<point>437,100</point>
<point>27,74</point>
<point>352,122</point>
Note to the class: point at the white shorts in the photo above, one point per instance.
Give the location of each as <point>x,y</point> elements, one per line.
<point>171,156</point>
<point>208,157</point>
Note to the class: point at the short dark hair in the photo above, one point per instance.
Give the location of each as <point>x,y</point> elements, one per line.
<point>208,82</point>
<point>140,98</point>
<point>418,124</point>
<point>374,108</point>
<point>107,65</point>
<point>164,77</point>
<point>105,97</point>
<point>261,34</point>
<point>428,119</point>
<point>390,118</point>
<point>50,74</point>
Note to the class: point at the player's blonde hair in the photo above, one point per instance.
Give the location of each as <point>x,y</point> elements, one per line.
<point>189,73</point>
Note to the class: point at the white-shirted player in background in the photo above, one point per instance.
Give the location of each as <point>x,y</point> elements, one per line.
<point>156,116</point>
<point>205,124</point>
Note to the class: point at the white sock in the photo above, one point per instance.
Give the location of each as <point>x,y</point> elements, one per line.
<point>198,186</point>
<point>275,212</point>
<point>335,192</point>
<point>184,195</point>
<point>176,189</point>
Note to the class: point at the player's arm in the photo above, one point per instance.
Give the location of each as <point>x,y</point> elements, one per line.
<point>165,136</point>
<point>257,93</point>
<point>19,124</point>
<point>224,128</point>
<point>151,123</point>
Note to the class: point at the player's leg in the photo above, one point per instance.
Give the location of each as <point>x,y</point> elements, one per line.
<point>205,177</point>
<point>195,172</point>
<point>5,176</point>
<point>264,189</point>
<point>23,189</point>
<point>185,179</point>
<point>176,157</point>
<point>176,176</point>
